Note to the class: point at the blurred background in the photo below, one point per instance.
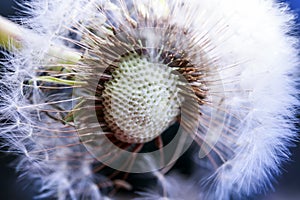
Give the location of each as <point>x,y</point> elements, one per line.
<point>286,188</point>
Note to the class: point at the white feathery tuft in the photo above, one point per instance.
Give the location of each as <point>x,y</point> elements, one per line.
<point>255,37</point>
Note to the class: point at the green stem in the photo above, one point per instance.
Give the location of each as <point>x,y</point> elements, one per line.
<point>11,36</point>
<point>51,79</point>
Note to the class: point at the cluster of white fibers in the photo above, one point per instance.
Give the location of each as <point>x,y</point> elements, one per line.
<point>248,53</point>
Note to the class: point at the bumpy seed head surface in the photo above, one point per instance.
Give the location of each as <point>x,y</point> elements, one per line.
<point>141,100</point>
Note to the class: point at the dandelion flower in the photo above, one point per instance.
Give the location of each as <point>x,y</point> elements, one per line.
<point>98,93</point>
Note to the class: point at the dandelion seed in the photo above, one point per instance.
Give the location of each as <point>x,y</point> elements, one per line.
<point>99,94</point>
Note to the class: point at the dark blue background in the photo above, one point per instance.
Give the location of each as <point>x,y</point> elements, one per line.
<point>287,188</point>
<point>295,4</point>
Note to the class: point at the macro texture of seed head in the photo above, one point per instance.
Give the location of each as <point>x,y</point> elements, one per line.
<point>141,100</point>
<point>94,93</point>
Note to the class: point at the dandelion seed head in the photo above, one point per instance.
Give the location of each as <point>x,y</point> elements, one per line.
<point>141,100</point>
<point>105,76</point>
